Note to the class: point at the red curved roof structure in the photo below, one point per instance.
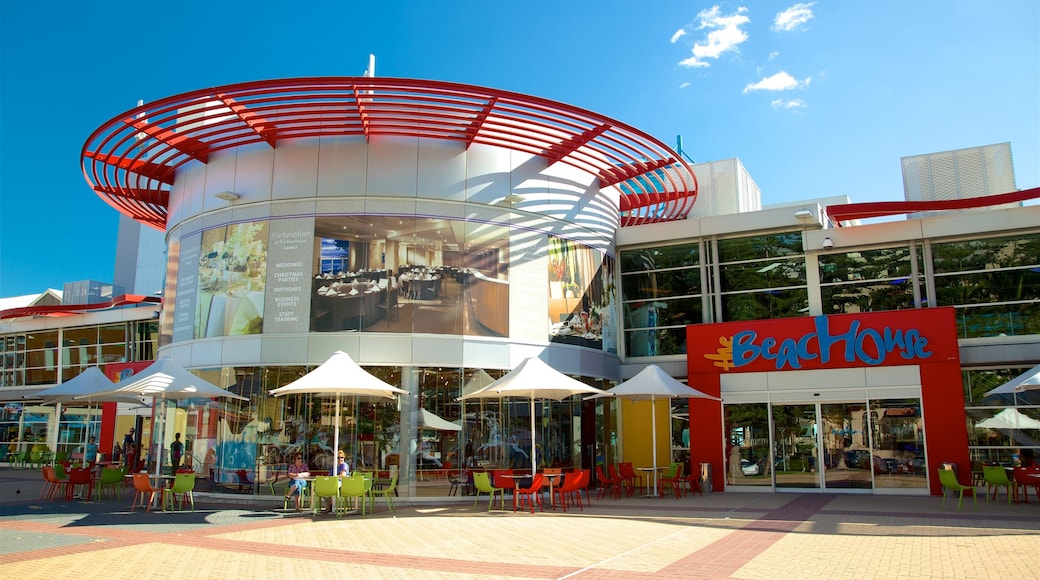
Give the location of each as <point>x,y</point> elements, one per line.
<point>70,309</point>
<point>854,211</point>
<point>131,160</point>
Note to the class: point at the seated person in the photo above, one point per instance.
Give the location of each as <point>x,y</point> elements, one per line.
<point>297,472</point>
<point>341,469</point>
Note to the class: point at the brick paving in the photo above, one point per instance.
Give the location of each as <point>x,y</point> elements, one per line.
<point>718,535</point>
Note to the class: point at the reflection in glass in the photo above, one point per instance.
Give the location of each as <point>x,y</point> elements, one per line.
<point>846,445</point>
<point>764,305</point>
<point>868,297</point>
<point>748,459</point>
<point>797,446</point>
<point>779,245</point>
<point>762,274</point>
<point>898,443</point>
<point>683,255</point>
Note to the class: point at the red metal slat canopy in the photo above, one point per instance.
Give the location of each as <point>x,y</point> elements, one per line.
<point>854,211</point>
<point>130,161</point>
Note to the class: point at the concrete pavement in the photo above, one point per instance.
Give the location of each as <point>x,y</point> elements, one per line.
<point>718,535</point>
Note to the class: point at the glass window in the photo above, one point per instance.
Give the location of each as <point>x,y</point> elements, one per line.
<point>764,305</point>
<point>659,258</point>
<point>879,264</point>
<point>762,247</point>
<point>986,254</point>
<point>667,284</point>
<point>656,341</point>
<point>762,274</point>
<point>868,296</point>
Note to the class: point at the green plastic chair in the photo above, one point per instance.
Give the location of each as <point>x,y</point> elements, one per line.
<point>482,483</point>
<point>22,459</point>
<point>388,491</point>
<point>183,485</point>
<point>354,487</point>
<point>111,479</point>
<point>36,458</point>
<point>326,487</point>
<point>949,482</point>
<point>996,477</point>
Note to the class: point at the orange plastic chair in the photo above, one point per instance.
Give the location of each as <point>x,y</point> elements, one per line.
<point>51,483</point>
<point>143,485</point>
<point>530,495</point>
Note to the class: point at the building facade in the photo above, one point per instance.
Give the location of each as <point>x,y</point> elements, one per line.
<point>441,233</point>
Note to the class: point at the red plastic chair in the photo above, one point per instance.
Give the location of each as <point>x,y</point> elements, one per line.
<point>78,476</point>
<point>530,494</point>
<point>571,487</point>
<point>500,480</point>
<point>1025,478</point>
<point>629,477</point>
<point>623,484</point>
<point>607,485</point>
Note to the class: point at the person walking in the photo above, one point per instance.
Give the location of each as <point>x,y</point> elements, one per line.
<point>176,451</point>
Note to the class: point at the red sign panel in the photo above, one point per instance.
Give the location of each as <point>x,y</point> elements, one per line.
<point>901,337</point>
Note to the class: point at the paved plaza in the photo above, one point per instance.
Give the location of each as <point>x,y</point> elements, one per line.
<point>718,535</point>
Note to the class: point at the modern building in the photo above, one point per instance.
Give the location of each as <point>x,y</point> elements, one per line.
<point>441,233</point>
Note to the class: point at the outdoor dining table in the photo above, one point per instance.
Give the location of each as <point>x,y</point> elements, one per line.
<point>550,477</point>
<point>657,471</point>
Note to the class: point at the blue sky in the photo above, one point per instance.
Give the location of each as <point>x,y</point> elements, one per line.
<point>817,98</point>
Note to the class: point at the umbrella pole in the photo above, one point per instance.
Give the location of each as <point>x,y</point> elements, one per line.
<point>157,443</point>
<point>653,431</point>
<point>335,441</point>
<point>534,458</point>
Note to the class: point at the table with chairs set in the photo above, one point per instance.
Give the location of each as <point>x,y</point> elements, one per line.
<point>356,492</point>
<point>1016,482</point>
<point>527,491</point>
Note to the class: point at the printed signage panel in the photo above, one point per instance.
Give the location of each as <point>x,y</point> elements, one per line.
<point>899,337</point>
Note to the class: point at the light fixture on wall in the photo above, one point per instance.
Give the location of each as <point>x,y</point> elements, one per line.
<point>511,199</point>
<point>828,243</point>
<point>803,214</point>
<point>228,196</point>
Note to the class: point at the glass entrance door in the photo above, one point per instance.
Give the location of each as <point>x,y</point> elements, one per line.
<point>845,436</point>
<point>796,446</point>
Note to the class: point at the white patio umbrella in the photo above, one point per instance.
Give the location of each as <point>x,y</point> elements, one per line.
<point>428,420</point>
<point>1027,381</point>
<point>533,379</point>
<point>85,386</point>
<point>1009,418</point>
<point>650,384</point>
<point>340,375</point>
<point>165,380</point>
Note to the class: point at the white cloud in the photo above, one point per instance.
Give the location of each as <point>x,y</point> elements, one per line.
<point>773,55</point>
<point>678,34</point>
<point>684,85</point>
<point>793,17</point>
<point>788,104</point>
<point>781,81</point>
<point>725,36</point>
